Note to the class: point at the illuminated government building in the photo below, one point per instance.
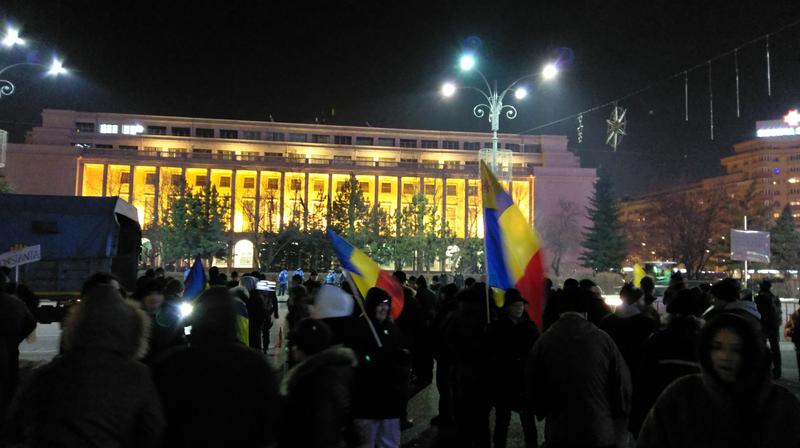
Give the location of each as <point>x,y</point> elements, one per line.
<point>268,169</point>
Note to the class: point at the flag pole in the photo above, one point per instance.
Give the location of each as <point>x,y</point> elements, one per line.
<point>360,301</point>
<point>486,268</point>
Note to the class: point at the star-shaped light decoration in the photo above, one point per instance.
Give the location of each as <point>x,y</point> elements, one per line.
<point>792,118</point>
<point>616,127</point>
<point>580,128</point>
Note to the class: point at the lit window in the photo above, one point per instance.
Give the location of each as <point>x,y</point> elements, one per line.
<point>225,182</point>
<point>386,187</point>
<point>319,186</point>
<point>295,184</point>
<point>249,182</point>
<point>107,128</point>
<point>272,184</point>
<point>364,186</point>
<point>132,129</point>
<point>150,178</point>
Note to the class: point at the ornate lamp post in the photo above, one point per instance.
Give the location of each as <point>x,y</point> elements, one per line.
<point>495,107</point>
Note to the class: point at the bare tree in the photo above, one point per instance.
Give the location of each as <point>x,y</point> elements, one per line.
<point>561,233</point>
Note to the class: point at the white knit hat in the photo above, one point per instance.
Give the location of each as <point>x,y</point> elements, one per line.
<point>332,302</point>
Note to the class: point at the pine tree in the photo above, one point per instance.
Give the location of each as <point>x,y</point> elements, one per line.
<point>604,243</point>
<point>785,242</point>
<point>194,224</point>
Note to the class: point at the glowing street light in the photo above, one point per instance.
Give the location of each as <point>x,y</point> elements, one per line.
<point>467,62</point>
<point>494,105</point>
<point>56,68</point>
<point>12,38</point>
<point>549,71</point>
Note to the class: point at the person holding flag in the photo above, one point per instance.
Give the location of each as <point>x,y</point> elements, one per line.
<point>195,284</point>
<point>512,248</point>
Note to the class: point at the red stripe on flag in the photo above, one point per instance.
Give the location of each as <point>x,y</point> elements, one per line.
<point>387,282</point>
<point>531,286</point>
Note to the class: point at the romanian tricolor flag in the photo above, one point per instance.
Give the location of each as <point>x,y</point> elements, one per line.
<point>367,273</point>
<point>513,255</point>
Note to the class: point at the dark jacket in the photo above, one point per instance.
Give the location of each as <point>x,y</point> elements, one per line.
<point>16,322</point>
<point>702,410</point>
<point>769,307</point>
<point>578,381</point>
<point>382,373</point>
<point>511,343</point>
<point>95,394</point>
<point>668,354</point>
<point>166,331</point>
<point>316,411</point>
<point>629,333</point>
<point>217,394</point>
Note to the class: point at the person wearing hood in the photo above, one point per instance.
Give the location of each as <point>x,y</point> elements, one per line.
<point>668,354</point>
<point>575,369</point>
<point>382,374</point>
<point>733,402</point>
<point>316,411</point>
<point>16,323</point>
<point>163,331</point>
<point>334,307</point>
<point>423,353</point>
<point>443,352</point>
<point>769,306</point>
<point>96,393</point>
<point>512,337</point>
<point>217,391</point>
<point>256,311</point>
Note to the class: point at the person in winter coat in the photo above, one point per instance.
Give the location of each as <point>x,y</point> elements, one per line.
<point>577,380</point>
<point>334,307</point>
<point>648,287</point>
<point>423,353</point>
<point>668,354</point>
<point>467,335</point>
<point>512,337</point>
<point>163,334</point>
<point>382,375</point>
<point>316,411</point>
<point>256,311</point>
<point>16,323</point>
<point>95,393</point>
<point>792,333</point>
<point>217,391</point>
<point>769,306</point>
<point>732,403</point>
<point>443,352</point>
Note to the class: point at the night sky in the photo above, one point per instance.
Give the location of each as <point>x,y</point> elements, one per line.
<point>382,63</point>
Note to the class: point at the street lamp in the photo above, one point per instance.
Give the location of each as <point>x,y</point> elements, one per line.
<point>12,38</point>
<point>494,105</point>
<point>55,68</point>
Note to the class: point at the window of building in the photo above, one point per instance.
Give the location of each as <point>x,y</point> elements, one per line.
<point>343,140</point>
<point>273,154</point>
<point>408,143</point>
<point>103,146</point>
<point>472,190</point>
<point>228,133</point>
<point>201,151</point>
<point>451,190</point>
<point>181,132</point>
<point>298,137</point>
<point>108,128</point>
<point>386,187</point>
<point>201,180</point>
<point>429,144</point>
<point>385,141</point>
<point>451,213</point>
<point>794,157</point>
<point>225,181</point>
<point>150,178</point>
<point>295,185</point>
<point>363,186</point>
<point>128,147</point>
<point>319,186</point>
<point>341,186</point>
<point>82,145</point>
<point>409,189</point>
<point>226,154</point>
<point>342,158</point>
<point>152,149</point>
<point>430,189</point>
<point>513,146</point>
<point>408,161</point>
<point>249,155</point>
<point>537,148</point>
<point>316,138</point>
<point>176,181</point>
<point>249,182</point>
<point>430,163</point>
<point>450,144</point>
<point>365,141</point>
<point>251,135</point>
<point>487,144</point>
<point>125,177</point>
<point>84,127</point>
<point>451,164</point>
<point>152,130</point>
<point>272,184</point>
<point>472,146</point>
<point>204,133</point>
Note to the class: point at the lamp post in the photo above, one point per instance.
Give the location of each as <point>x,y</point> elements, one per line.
<point>495,107</point>
<point>56,67</point>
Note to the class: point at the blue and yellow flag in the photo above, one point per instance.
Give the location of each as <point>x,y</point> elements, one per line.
<point>195,282</point>
<point>513,252</point>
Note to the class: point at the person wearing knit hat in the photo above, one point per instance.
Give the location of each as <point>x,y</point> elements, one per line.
<point>317,390</point>
<point>733,402</point>
<point>100,393</point>
<point>334,306</point>
<point>512,336</point>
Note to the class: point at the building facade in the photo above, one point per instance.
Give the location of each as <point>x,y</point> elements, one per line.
<point>764,170</point>
<point>272,171</point>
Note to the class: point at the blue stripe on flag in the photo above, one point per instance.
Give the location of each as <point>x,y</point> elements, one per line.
<point>344,251</point>
<point>495,260</point>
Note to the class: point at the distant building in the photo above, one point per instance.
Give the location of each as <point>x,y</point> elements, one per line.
<point>766,167</point>
<point>270,169</point>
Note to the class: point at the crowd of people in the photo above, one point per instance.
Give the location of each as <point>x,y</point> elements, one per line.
<point>136,370</point>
